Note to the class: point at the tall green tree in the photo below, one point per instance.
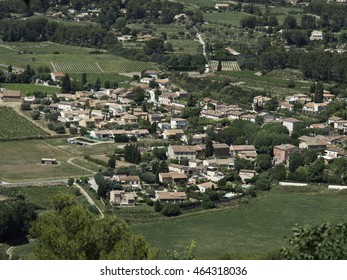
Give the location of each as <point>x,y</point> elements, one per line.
<point>65,84</point>
<point>322,242</point>
<point>70,232</point>
<point>209,147</point>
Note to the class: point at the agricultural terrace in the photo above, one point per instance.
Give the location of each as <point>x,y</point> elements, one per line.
<point>226,65</point>
<point>18,163</point>
<point>13,125</point>
<point>257,228</point>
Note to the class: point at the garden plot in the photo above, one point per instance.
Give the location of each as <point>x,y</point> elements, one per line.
<point>226,66</point>
<point>77,67</point>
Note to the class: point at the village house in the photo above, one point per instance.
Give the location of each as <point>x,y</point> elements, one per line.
<point>212,174</point>
<point>11,96</point>
<point>211,114</point>
<point>318,142</point>
<point>154,118</point>
<point>328,97</point>
<point>286,106</point>
<point>334,152</point>
<point>163,83</point>
<point>298,98</point>
<point>291,124</point>
<point>173,134</point>
<point>318,125</point>
<point>178,123</point>
<point>188,170</point>
<point>122,198</point>
<point>341,125</point>
<point>282,153</point>
<point>89,123</point>
<point>180,152</point>
<point>133,182</point>
<point>248,117</point>
<point>246,174</point>
<point>168,98</point>
<point>171,197</point>
<point>247,152</point>
<point>194,139</point>
<point>176,178</point>
<point>313,108</point>
<point>207,186</point>
<point>57,76</point>
<point>219,163</point>
<point>221,150</point>
<point>333,119</point>
<point>165,126</point>
<point>66,106</point>
<point>260,100</point>
<point>221,7</point>
<point>316,35</point>
<point>152,73</point>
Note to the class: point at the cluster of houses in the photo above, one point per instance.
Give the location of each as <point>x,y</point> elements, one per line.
<point>104,112</point>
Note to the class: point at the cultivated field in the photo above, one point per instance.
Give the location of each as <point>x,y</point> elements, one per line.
<point>185,46</point>
<point>13,125</point>
<point>257,228</point>
<point>229,17</point>
<point>68,59</point>
<point>277,85</point>
<point>30,88</point>
<point>226,65</point>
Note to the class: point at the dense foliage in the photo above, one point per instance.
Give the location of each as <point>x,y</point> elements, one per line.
<point>70,232</point>
<point>15,219</point>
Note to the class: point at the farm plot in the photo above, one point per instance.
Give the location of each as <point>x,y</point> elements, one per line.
<point>124,65</point>
<point>13,125</point>
<point>77,67</point>
<point>226,66</point>
<point>185,46</point>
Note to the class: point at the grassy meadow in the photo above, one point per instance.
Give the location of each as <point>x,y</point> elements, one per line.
<point>257,228</point>
<point>20,163</point>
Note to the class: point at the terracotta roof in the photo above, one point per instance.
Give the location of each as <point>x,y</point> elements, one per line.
<point>172,195</point>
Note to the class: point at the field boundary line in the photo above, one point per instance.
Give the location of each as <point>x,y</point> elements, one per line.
<point>54,69</point>
<point>97,65</point>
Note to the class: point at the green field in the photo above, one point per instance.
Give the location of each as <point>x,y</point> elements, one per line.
<point>201,3</point>
<point>41,196</point>
<point>13,125</point>
<point>276,84</point>
<point>257,228</point>
<point>185,46</point>
<point>68,59</point>
<point>26,89</point>
<point>229,17</point>
<point>21,160</point>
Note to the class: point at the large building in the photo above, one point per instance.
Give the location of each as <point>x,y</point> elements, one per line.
<point>282,152</point>
<point>179,152</point>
